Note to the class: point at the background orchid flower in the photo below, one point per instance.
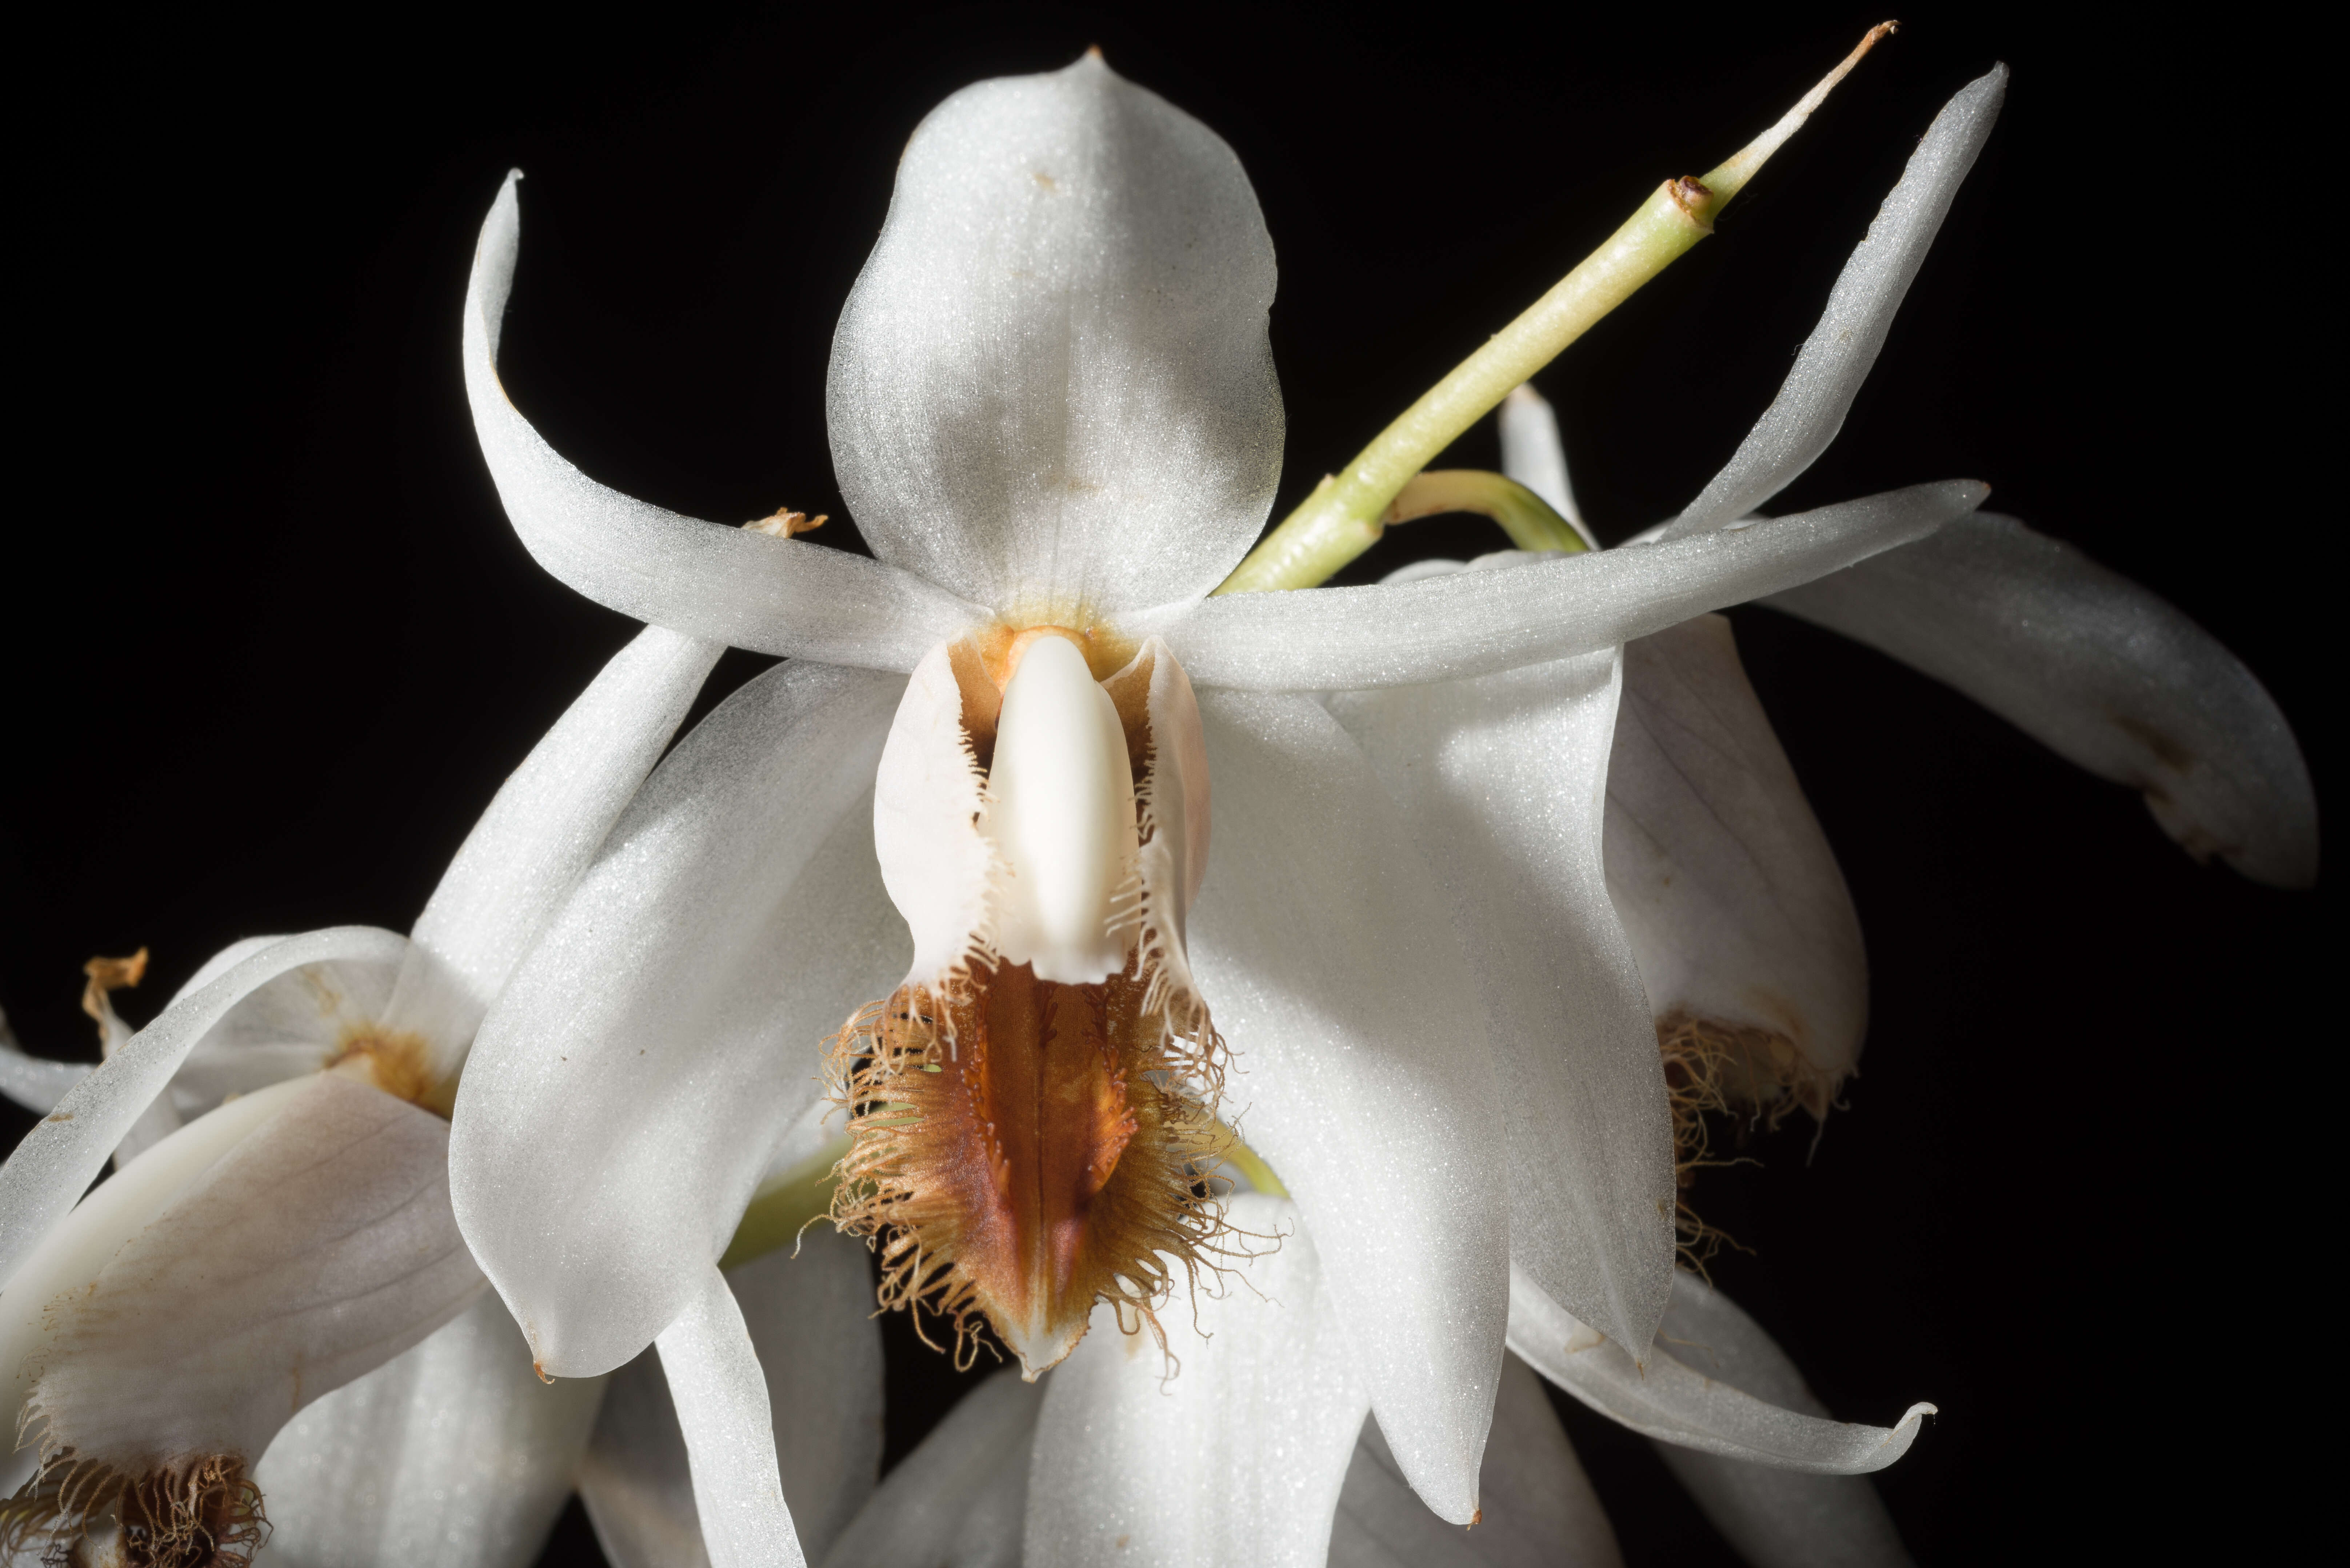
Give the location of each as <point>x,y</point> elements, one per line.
<point>1052,412</point>
<point>295,1233</point>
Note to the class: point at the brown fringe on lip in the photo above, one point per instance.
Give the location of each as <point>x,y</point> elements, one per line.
<point>195,1513</point>
<point>1749,1077</point>
<point>931,1176</point>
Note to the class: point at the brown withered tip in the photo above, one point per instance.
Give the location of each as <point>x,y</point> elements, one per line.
<point>1093,52</point>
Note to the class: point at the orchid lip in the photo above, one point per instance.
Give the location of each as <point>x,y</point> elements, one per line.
<point>1031,1113</point>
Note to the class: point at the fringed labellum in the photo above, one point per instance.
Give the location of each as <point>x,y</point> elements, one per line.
<point>159,1336</point>
<point>1031,1113</point>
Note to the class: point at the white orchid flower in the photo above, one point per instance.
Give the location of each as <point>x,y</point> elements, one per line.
<point>295,1234</point>
<point>1747,942</point>
<point>1054,413</point>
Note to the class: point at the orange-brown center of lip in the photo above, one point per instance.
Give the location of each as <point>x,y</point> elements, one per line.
<point>1023,1149</point>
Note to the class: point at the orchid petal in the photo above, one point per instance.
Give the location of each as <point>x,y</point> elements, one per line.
<point>1237,1458</point>
<point>1776,1518</point>
<point>2098,669</point>
<point>720,1397</point>
<point>810,1317</point>
<point>260,1257</point>
<point>1501,780</point>
<point>1726,884</point>
<point>56,1162</point>
<point>1538,1508</point>
<point>1677,1403</point>
<point>626,1090</point>
<point>958,1499</point>
<point>1052,384</point>
<point>1835,360</point>
<point>452,1454</point>
<point>283,1028</point>
<point>1360,1069</point>
<point>552,813</point>
<point>35,1082</point>
<point>1451,627</point>
<point>1534,455</point>
<point>722,585</point>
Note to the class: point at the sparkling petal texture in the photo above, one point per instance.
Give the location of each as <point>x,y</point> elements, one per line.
<point>628,1087</point>
<point>1835,360</point>
<point>34,1082</point>
<point>305,1244</point>
<point>1474,623</point>
<point>1675,1402</point>
<point>1725,882</point>
<point>452,1454</point>
<point>1501,780</point>
<point>2098,669</point>
<point>1051,385</point>
<point>1776,1518</point>
<point>1360,1070</point>
<point>1539,1508</point>
<point>811,1320</point>
<point>57,1161</point>
<point>958,1500</point>
<point>1239,1458</point>
<point>777,595</point>
<point>551,814</point>
<point>720,1397</point>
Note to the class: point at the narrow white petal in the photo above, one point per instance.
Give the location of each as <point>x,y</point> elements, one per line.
<point>1538,1508</point>
<point>552,813</point>
<point>1534,455</point>
<point>1675,1402</point>
<point>261,1257</point>
<point>724,585</point>
<point>57,1161</point>
<point>1502,780</point>
<point>1474,623</point>
<point>1835,360</point>
<point>35,1082</point>
<point>626,1089</point>
<point>1776,1518</point>
<point>810,1317</point>
<point>1727,885</point>
<point>1236,1458</point>
<point>452,1454</point>
<point>1052,383</point>
<point>721,1397</point>
<point>958,1500</point>
<point>1360,1070</point>
<point>2098,669</point>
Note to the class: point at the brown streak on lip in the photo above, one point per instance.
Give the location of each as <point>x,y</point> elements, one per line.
<point>1022,1150</point>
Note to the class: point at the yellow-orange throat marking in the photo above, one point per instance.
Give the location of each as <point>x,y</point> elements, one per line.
<point>1022,1150</point>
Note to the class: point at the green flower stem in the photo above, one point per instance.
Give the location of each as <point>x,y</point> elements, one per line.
<point>1524,516</point>
<point>1342,518</point>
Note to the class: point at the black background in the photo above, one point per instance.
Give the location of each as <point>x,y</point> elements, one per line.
<point>274,646</point>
